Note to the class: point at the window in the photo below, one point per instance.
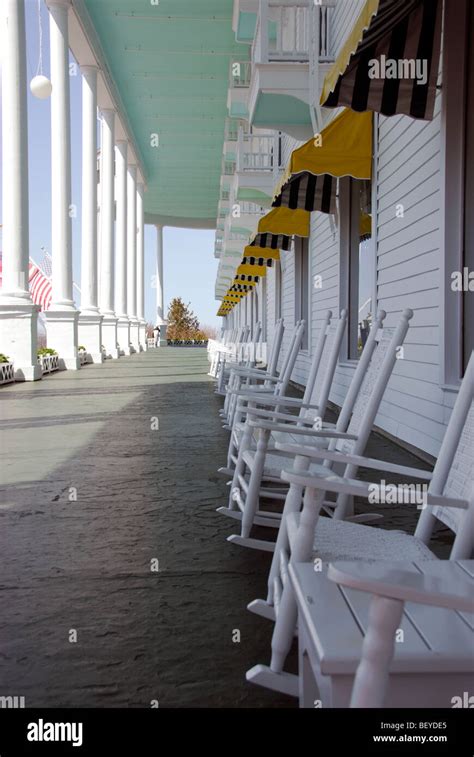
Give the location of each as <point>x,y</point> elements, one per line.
<point>264,309</point>
<point>278,290</point>
<point>302,287</point>
<point>457,315</point>
<point>357,262</point>
<point>468,256</point>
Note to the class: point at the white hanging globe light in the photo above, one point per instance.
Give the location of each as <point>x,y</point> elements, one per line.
<point>41,87</point>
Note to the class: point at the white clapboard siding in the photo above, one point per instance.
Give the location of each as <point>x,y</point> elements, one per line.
<point>415,407</point>
<point>408,172</point>
<point>343,17</point>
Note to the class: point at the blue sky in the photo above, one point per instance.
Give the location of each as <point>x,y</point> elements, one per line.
<point>189,263</point>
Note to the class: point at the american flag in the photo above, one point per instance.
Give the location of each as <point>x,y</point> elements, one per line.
<point>39,284</point>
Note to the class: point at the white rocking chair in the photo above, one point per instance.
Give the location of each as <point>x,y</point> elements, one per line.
<point>450,500</point>
<point>312,405</point>
<point>351,433</point>
<point>251,375</point>
<point>274,386</point>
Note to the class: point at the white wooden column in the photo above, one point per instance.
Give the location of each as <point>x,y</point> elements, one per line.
<point>123,324</point>
<point>132,256</point>
<point>141,266</point>
<point>62,318</point>
<point>90,320</point>
<point>18,315</point>
<point>107,217</point>
<point>160,316</point>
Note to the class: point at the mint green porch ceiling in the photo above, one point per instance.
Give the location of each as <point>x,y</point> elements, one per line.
<point>170,63</point>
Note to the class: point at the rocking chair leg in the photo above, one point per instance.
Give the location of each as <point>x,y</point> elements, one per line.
<point>239,466</point>
<point>251,500</point>
<point>284,630</point>
<point>292,505</point>
<point>302,550</point>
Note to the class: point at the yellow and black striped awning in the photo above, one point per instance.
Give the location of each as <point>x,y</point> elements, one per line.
<point>344,148</point>
<point>390,61</point>
<point>285,221</point>
<point>272,241</point>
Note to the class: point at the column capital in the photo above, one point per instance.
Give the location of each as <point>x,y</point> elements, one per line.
<point>58,3</point>
<point>108,115</point>
<point>89,70</point>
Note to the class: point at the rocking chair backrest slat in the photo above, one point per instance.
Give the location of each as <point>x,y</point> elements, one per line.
<point>276,346</point>
<point>327,362</point>
<point>369,397</point>
<point>316,361</point>
<point>285,374</point>
<point>358,377</point>
<point>374,384</point>
<point>453,474</point>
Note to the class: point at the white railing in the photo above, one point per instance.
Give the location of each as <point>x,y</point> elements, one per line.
<point>240,71</point>
<point>7,373</point>
<point>228,167</point>
<point>283,32</point>
<point>236,236</point>
<point>258,152</point>
<point>49,363</point>
<point>247,208</point>
<point>231,130</point>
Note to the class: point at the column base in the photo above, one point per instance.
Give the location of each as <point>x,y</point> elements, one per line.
<point>62,335</point>
<point>19,337</point>
<point>142,335</point>
<point>109,336</point>
<point>123,335</point>
<point>163,339</point>
<point>90,335</point>
<point>134,335</point>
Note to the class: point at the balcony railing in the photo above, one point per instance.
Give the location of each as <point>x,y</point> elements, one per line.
<point>258,152</point>
<point>231,130</point>
<point>228,167</point>
<point>247,208</point>
<point>240,71</point>
<point>283,31</point>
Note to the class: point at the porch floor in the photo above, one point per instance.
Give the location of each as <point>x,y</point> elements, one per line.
<point>90,496</point>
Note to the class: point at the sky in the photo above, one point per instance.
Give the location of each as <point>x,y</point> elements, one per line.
<point>189,263</point>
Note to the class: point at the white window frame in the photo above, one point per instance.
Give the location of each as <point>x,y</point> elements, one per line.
<point>302,249</point>
<point>349,238</point>
<point>278,289</point>
<point>453,148</point>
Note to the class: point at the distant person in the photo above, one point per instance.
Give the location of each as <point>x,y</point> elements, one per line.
<point>156,335</point>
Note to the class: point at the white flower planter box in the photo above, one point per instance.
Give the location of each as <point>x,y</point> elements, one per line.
<point>49,363</point>
<point>7,373</point>
<point>82,357</point>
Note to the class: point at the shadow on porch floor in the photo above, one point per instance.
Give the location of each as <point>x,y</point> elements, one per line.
<point>92,495</point>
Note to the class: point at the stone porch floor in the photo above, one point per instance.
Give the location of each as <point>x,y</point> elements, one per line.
<point>90,496</point>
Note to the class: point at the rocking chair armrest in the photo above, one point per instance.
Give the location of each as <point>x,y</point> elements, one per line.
<point>393,581</point>
<point>249,372</point>
<point>281,400</point>
<point>274,415</point>
<point>359,460</point>
<point>355,488</point>
<point>329,433</point>
<point>253,391</point>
